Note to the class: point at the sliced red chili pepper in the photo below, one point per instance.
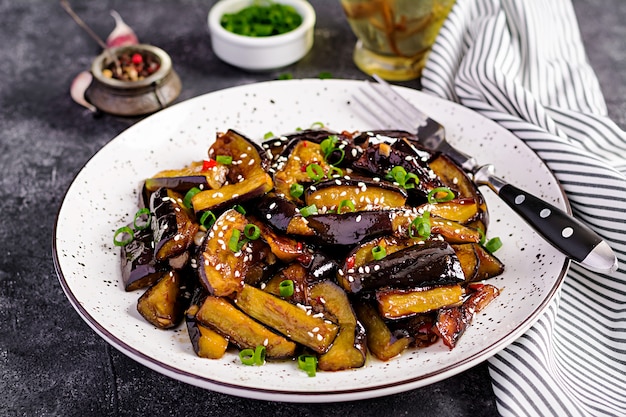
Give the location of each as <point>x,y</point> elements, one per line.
<point>208,164</point>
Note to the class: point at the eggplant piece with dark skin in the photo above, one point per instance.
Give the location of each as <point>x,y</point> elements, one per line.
<point>173,226</point>
<point>349,229</point>
<point>432,262</point>
<point>452,322</point>
<point>419,327</point>
<point>206,342</point>
<point>164,302</point>
<point>295,273</point>
<point>349,348</point>
<point>319,264</point>
<point>139,268</point>
<point>199,174</point>
<point>381,341</point>
<point>282,215</point>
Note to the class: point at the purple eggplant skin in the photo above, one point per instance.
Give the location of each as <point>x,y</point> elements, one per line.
<point>319,265</point>
<point>379,159</point>
<point>139,268</point>
<point>351,228</point>
<point>433,263</point>
<point>276,211</point>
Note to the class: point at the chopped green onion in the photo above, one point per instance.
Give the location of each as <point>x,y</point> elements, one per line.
<point>259,355</point>
<point>493,244</point>
<point>286,288</point>
<point>420,226</point>
<point>240,209</point>
<point>259,20</point>
<point>379,252</point>
<point>308,363</point>
<point>252,231</point>
<point>268,135</point>
<point>247,357</point>
<point>317,125</point>
<point>308,210</point>
<point>432,195</point>
<point>207,219</point>
<point>125,230</point>
<point>482,235</point>
<point>345,203</point>
<point>334,172</point>
<point>234,244</point>
<point>324,75</point>
<point>315,172</point>
<point>224,159</point>
<point>399,175</point>
<point>142,212</point>
<point>296,190</point>
<point>187,199</point>
<point>329,147</point>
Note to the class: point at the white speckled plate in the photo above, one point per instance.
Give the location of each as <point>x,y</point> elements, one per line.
<point>104,194</point>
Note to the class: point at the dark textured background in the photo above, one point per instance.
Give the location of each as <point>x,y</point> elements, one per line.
<point>51,362</point>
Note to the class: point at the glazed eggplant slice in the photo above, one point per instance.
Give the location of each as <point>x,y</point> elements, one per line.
<point>319,264</point>
<point>247,156</point>
<point>310,330</point>
<point>450,230</point>
<point>285,248</point>
<point>419,327</point>
<point>349,348</point>
<point>221,270</point>
<point>173,226</point>
<point>401,303</point>
<point>452,322</point>
<point>253,186</point>
<point>350,228</point>
<point>295,273</point>
<point>200,174</point>
<point>282,215</point>
<point>206,342</point>
<point>430,263</point>
<point>361,193</point>
<point>139,268</point>
<point>381,341</point>
<point>164,303</point>
<point>220,314</point>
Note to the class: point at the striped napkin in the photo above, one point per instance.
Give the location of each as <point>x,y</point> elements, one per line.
<point>522,64</point>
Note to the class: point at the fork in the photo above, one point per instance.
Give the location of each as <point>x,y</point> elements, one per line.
<point>572,237</point>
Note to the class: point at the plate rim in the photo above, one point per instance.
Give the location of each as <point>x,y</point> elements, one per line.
<point>337,395</point>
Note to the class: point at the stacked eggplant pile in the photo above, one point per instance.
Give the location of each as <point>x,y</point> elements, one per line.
<point>329,244</point>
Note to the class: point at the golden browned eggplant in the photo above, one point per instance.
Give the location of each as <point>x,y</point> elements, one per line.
<point>452,322</point>
<point>349,349</point>
<point>380,340</point>
<point>397,304</point>
<point>298,275</point>
<point>200,174</point>
<point>219,314</point>
<point>361,193</point>
<point>310,330</point>
<point>206,342</point>
<point>221,270</point>
<point>164,303</point>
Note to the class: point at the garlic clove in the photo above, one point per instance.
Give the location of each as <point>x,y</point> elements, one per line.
<point>122,34</point>
<point>78,87</point>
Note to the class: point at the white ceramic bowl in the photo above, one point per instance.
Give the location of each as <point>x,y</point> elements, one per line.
<point>261,53</point>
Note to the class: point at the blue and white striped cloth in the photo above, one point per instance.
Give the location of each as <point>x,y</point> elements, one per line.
<point>522,64</point>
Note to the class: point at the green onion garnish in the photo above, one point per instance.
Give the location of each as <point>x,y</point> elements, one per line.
<point>493,244</point>
<point>286,288</point>
<point>315,172</point>
<point>141,213</point>
<point>253,356</point>
<point>296,190</point>
<point>207,219</point>
<point>345,204</point>
<point>260,19</point>
<point>252,231</point>
<point>268,135</point>
<point>234,244</point>
<point>420,226</point>
<point>187,199</point>
<point>224,159</point>
<point>329,147</point>
<point>240,209</point>
<point>334,172</point>
<point>308,363</point>
<point>379,252</point>
<point>399,175</point>
<point>125,230</point>
<point>317,125</point>
<point>432,195</point>
<point>308,210</point>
